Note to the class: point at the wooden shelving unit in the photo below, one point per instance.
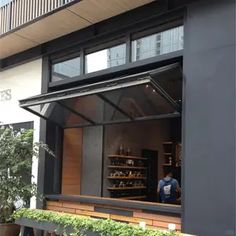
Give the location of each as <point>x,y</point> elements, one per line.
<point>128,167</point>
<point>166,143</point>
<point>169,153</point>
<point>121,177</point>
<point>127,157</point>
<point>130,172</point>
<point>166,164</point>
<point>172,157</point>
<point>126,188</point>
<point>172,154</point>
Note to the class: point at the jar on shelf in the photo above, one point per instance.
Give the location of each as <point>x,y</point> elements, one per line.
<point>128,152</point>
<point>121,150</point>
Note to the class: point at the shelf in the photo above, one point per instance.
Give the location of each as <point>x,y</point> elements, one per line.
<point>167,143</point>
<point>127,157</point>
<point>120,163</point>
<point>173,166</point>
<point>168,153</point>
<point>166,164</point>
<point>133,197</point>
<point>121,177</point>
<point>125,188</point>
<point>128,167</point>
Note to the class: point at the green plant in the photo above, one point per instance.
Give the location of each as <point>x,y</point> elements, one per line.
<point>81,224</point>
<point>16,152</point>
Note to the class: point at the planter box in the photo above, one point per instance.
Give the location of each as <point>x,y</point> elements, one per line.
<point>9,230</point>
<point>47,226</point>
<point>51,227</point>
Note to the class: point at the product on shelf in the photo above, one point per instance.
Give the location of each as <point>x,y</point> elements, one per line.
<point>127,176</point>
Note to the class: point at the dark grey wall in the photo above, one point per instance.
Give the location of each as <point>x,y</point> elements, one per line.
<point>209,115</point>
<point>91,182</point>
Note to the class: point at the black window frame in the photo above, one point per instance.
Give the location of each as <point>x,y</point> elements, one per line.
<point>157,207</point>
<point>54,99</point>
<point>113,40</point>
<point>163,21</point>
<point>64,58</point>
<point>150,32</point>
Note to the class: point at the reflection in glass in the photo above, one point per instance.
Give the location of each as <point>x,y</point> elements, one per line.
<point>126,99</point>
<point>157,44</point>
<point>106,58</point>
<point>58,113</point>
<point>110,106</point>
<point>94,108</point>
<point>66,69</point>
<point>171,82</point>
<point>139,101</point>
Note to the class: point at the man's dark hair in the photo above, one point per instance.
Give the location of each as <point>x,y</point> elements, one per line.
<point>167,171</point>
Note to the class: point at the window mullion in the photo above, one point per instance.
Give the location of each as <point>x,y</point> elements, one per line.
<point>82,61</point>
<point>128,48</point>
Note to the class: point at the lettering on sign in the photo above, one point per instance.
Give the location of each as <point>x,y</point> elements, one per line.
<point>5,95</point>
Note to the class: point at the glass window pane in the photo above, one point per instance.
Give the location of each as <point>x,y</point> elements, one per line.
<point>140,101</point>
<point>59,114</point>
<point>170,81</point>
<point>157,44</point>
<point>125,99</point>
<point>94,108</point>
<point>66,69</point>
<point>106,58</point>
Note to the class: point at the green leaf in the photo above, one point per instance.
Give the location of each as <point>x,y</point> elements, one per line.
<point>81,224</point>
<point>16,152</point>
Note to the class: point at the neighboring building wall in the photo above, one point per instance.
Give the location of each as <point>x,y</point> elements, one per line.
<point>209,119</point>
<point>157,44</point>
<point>15,84</point>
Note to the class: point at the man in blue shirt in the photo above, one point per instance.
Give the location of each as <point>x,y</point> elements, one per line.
<point>168,189</point>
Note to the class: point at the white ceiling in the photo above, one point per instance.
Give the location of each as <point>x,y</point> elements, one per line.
<point>73,18</point>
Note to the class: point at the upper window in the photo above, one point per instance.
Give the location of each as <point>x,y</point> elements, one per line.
<point>157,44</point>
<point>105,58</point>
<point>106,55</point>
<point>66,69</point>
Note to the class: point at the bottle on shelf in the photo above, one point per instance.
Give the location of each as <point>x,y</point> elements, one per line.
<point>128,152</point>
<point>172,153</point>
<point>121,150</point>
<point>127,176</point>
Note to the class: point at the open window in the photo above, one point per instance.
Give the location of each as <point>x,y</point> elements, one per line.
<point>139,97</point>
<point>119,135</point>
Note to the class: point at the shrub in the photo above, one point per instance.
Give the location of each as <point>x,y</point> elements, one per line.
<point>80,225</point>
<point>16,152</point>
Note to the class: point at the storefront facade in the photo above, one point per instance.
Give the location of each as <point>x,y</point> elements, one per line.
<point>13,88</point>
<point>163,72</point>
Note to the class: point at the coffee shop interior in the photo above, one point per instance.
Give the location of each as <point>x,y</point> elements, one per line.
<point>119,135</point>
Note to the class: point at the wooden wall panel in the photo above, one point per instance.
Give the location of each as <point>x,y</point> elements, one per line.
<point>159,220</point>
<point>71,165</point>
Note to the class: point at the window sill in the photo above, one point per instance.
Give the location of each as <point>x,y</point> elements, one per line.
<point>145,206</point>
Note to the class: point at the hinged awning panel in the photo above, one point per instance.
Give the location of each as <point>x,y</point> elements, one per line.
<point>141,96</point>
